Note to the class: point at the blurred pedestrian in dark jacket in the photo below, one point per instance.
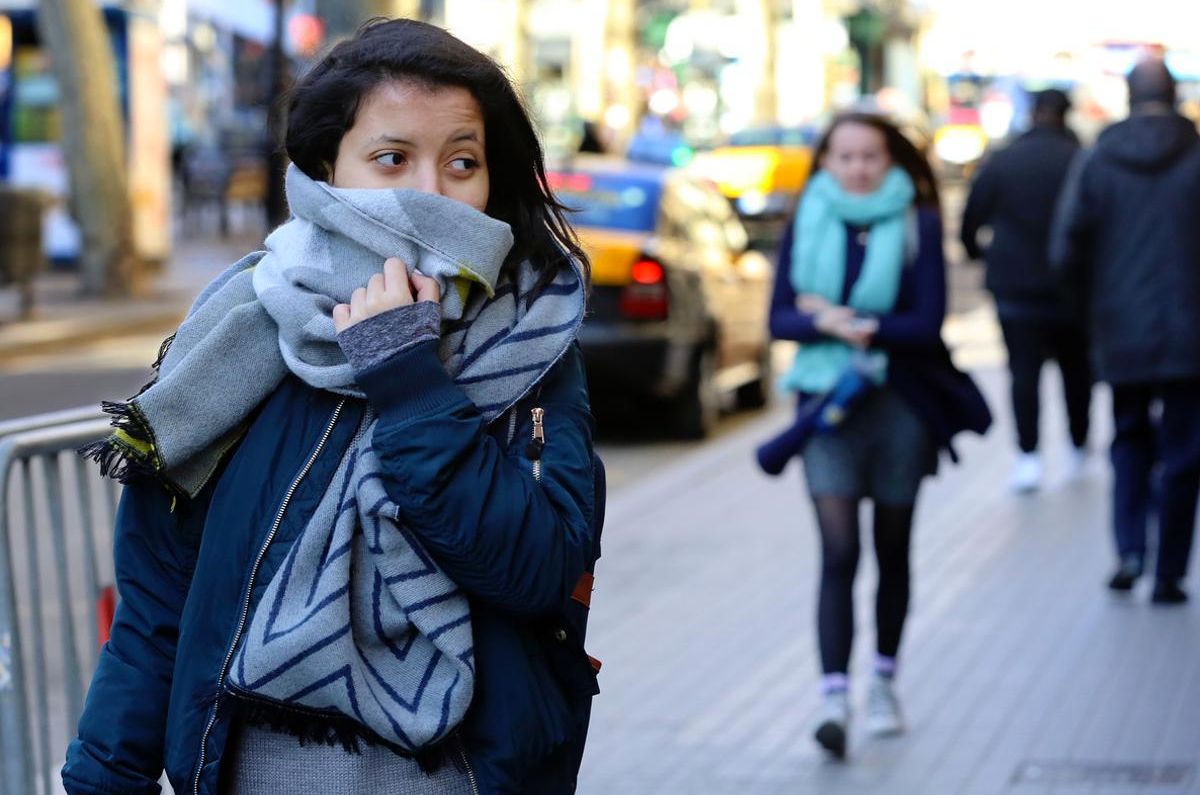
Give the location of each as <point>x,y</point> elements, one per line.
<point>1127,238</point>
<point>1014,194</point>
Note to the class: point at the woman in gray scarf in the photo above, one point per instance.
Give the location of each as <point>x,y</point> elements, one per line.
<point>362,505</point>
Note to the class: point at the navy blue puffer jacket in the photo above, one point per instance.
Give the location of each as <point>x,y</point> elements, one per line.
<point>515,539</point>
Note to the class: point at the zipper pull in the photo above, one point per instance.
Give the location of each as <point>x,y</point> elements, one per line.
<point>534,450</point>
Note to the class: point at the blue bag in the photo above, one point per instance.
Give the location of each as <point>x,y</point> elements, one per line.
<point>820,414</point>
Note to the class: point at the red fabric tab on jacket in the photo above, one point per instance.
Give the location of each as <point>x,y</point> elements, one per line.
<point>583,589</point>
<point>596,664</point>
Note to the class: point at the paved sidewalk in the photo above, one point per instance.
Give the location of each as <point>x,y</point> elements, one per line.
<point>63,317</point>
<point>1020,673</point>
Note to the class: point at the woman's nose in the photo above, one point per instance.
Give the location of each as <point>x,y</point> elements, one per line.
<point>429,180</point>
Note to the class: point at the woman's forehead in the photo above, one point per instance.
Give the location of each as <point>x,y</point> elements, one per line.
<point>404,108</point>
<point>854,135</point>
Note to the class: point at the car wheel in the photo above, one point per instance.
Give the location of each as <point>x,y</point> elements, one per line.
<point>696,413</point>
<point>757,393</point>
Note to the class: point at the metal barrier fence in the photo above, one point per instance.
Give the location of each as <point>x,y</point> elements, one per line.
<point>56,594</point>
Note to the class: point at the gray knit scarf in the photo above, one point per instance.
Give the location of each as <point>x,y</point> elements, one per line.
<point>359,623</point>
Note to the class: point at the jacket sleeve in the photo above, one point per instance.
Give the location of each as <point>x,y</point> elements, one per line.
<point>978,210</point>
<point>120,742</point>
<point>503,537</point>
<point>787,322</point>
<point>919,324</point>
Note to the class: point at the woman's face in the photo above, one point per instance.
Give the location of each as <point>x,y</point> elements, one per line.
<point>409,136</point>
<point>857,157</point>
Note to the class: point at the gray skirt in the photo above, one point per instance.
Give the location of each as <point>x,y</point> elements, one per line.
<point>881,452</point>
<point>263,762</point>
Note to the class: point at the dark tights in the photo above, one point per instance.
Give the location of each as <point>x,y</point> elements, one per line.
<point>838,520</point>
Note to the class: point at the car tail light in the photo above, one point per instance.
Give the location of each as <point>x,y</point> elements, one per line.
<point>645,297</point>
<point>568,182</point>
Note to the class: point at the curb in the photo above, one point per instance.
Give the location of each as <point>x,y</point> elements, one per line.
<point>47,336</point>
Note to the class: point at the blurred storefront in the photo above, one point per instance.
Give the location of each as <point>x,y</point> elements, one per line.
<point>30,124</point>
<point>694,71</point>
<point>214,64</point>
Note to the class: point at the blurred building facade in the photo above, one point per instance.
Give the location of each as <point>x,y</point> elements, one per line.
<point>31,123</point>
<point>195,80</point>
<point>704,67</point>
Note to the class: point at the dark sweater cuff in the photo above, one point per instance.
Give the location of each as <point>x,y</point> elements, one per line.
<point>371,341</point>
<point>411,383</point>
<point>791,324</point>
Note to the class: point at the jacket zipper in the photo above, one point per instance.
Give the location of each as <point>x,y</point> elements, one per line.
<point>538,444</point>
<point>512,425</point>
<point>241,627</point>
<point>462,752</point>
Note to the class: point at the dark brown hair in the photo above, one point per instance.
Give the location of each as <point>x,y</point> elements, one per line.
<point>902,151</point>
<point>325,101</point>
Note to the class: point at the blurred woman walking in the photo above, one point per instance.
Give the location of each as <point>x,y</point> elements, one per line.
<point>861,284</point>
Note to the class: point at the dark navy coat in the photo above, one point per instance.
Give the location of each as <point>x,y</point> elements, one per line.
<point>1126,242</point>
<point>1014,193</point>
<point>189,575</point>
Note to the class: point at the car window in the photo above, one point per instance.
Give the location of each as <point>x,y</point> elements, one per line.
<point>674,212</point>
<point>721,211</point>
<point>687,213</point>
<point>774,136</point>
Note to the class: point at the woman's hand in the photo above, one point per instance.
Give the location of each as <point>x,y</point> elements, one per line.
<point>812,304</point>
<point>829,319</point>
<point>393,288</point>
<point>842,323</point>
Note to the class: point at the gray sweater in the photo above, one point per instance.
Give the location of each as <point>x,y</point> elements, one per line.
<point>263,762</point>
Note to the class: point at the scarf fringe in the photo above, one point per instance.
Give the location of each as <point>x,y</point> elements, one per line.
<point>118,459</point>
<point>162,353</point>
<point>310,727</point>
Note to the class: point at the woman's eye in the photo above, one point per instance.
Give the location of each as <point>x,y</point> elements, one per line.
<point>390,159</point>
<point>464,164</point>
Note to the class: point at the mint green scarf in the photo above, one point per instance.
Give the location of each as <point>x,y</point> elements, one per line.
<point>819,265</point>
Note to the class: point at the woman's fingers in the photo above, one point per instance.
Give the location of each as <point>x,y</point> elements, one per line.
<point>358,305</point>
<point>857,338</point>
<point>831,319</point>
<point>341,318</point>
<point>395,281</point>
<point>428,289</point>
<point>392,288</point>
<point>378,298</point>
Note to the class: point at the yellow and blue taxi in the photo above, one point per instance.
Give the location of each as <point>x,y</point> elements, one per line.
<point>679,300</point>
<point>762,171</point>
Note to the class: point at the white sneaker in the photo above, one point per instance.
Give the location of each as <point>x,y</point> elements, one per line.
<point>1027,474</point>
<point>1077,461</point>
<point>833,723</point>
<point>883,709</point>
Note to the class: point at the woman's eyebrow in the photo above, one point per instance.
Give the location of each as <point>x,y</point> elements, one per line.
<point>388,139</point>
<point>461,135</point>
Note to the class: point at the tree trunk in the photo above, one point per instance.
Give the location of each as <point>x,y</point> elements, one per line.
<point>93,142</point>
